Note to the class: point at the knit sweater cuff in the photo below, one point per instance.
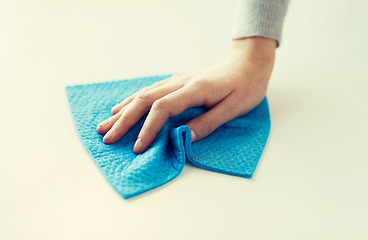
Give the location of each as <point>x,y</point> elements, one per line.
<point>260,18</point>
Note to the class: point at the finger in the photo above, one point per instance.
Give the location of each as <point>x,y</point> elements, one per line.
<point>127,100</point>
<point>134,111</point>
<point>221,113</point>
<point>168,106</point>
<point>105,126</point>
<point>122,104</point>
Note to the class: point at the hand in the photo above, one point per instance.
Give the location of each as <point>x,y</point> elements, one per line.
<point>228,90</point>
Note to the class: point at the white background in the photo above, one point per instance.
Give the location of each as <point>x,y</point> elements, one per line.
<point>311,182</point>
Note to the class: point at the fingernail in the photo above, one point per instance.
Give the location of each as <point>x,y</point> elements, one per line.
<point>194,136</point>
<point>138,145</point>
<point>103,124</point>
<point>109,135</point>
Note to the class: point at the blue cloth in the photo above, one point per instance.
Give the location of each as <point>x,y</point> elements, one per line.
<point>234,148</point>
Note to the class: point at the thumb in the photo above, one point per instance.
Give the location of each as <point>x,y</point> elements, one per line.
<point>205,124</point>
<point>202,126</point>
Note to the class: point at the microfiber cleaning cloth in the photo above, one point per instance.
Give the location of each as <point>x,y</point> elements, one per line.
<point>234,148</point>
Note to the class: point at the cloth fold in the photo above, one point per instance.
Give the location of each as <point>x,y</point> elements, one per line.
<point>234,148</point>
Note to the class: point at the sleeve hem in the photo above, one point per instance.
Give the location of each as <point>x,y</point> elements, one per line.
<point>260,18</point>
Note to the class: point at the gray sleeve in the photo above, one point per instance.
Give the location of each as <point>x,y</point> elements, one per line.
<point>260,18</point>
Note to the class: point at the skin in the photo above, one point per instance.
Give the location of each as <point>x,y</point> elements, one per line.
<point>228,90</point>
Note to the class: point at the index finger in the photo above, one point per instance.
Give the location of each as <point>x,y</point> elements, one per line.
<point>163,108</point>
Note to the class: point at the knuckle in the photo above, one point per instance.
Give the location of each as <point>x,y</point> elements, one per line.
<point>143,97</point>
<point>161,104</point>
<point>128,121</point>
<point>201,83</point>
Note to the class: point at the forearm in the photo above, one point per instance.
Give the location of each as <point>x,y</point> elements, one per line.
<point>262,18</point>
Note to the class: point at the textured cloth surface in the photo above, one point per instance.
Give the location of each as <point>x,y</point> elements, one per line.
<point>234,148</point>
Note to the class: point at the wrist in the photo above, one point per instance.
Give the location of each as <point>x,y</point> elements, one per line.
<point>257,51</point>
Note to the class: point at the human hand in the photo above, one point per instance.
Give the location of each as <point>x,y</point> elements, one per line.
<point>228,90</point>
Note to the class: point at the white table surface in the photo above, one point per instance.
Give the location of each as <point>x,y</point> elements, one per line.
<point>311,182</point>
